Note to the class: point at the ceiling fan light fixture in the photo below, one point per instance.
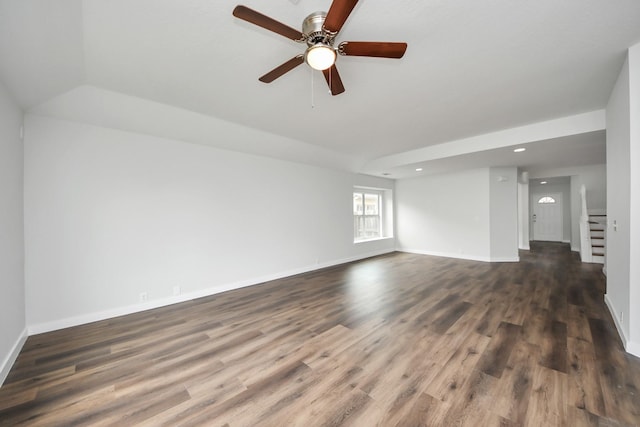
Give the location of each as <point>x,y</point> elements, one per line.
<point>319,32</point>
<point>320,56</point>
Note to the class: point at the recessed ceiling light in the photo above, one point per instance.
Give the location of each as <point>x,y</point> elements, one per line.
<point>519,150</point>
<point>418,169</point>
<point>543,182</point>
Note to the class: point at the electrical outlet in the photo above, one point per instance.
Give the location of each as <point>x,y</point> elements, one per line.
<point>176,290</point>
<point>143,296</point>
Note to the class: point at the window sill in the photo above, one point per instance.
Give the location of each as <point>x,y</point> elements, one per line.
<point>355,242</point>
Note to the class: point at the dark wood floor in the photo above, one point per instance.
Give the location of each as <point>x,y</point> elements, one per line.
<point>401,339</point>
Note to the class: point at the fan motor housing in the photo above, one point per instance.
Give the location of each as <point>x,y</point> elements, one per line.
<point>313,31</point>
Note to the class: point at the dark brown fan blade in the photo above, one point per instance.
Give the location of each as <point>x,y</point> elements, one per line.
<point>265,22</point>
<point>338,14</point>
<point>333,80</point>
<point>282,69</point>
<point>377,49</point>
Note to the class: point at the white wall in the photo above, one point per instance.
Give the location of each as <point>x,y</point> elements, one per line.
<point>622,244</point>
<point>111,214</point>
<point>634,200</point>
<point>445,215</point>
<point>12,299</point>
<point>503,213</point>
<point>618,192</point>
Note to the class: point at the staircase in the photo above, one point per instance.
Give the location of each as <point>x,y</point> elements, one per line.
<point>593,232</point>
<point>597,229</point>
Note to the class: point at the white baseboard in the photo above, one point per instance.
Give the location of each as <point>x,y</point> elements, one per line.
<point>630,346</point>
<point>613,311</point>
<point>446,254</point>
<point>459,256</point>
<point>506,259</point>
<point>68,322</point>
<point>10,359</point>
<point>633,348</point>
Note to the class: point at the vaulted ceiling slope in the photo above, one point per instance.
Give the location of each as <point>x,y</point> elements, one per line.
<point>184,68</point>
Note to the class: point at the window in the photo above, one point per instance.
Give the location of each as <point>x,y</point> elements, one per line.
<point>367,215</point>
<point>546,200</point>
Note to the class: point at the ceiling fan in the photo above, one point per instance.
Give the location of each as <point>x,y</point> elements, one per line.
<point>319,31</point>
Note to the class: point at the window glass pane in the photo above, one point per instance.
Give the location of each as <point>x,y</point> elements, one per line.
<point>371,226</point>
<point>358,227</point>
<point>367,219</point>
<point>357,204</point>
<point>371,204</point>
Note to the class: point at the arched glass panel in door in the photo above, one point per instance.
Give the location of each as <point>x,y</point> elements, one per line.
<point>546,200</point>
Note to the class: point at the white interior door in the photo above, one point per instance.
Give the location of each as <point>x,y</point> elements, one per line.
<point>547,217</point>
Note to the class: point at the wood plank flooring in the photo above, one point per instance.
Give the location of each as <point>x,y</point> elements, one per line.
<point>396,340</point>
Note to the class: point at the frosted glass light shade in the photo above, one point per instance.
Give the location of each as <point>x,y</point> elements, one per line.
<point>320,56</point>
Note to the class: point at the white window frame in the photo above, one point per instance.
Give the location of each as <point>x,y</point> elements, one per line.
<point>383,215</point>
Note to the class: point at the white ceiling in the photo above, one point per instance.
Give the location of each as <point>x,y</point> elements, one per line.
<point>471,68</point>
